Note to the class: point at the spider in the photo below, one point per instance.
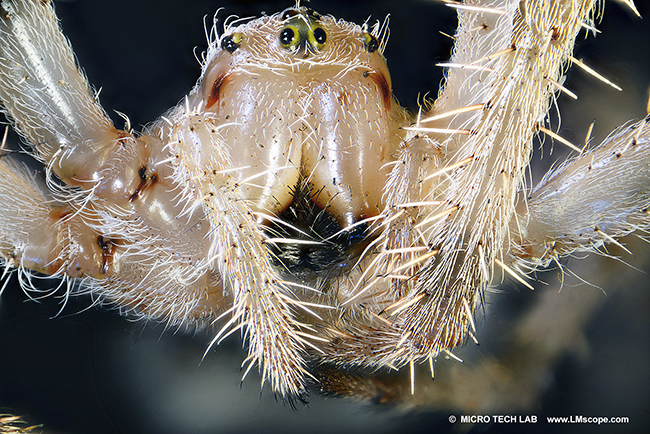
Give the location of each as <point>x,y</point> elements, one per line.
<point>311,198</point>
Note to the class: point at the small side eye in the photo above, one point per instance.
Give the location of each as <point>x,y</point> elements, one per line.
<point>230,43</point>
<point>289,38</point>
<point>288,13</point>
<point>370,42</point>
<point>312,14</point>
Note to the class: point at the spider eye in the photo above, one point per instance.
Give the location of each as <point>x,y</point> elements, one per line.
<point>312,14</point>
<point>230,43</point>
<point>319,36</point>
<point>302,32</point>
<point>288,13</point>
<point>289,38</point>
<point>370,42</point>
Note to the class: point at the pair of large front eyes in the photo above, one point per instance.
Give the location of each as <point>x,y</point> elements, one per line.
<point>290,38</point>
<point>294,36</point>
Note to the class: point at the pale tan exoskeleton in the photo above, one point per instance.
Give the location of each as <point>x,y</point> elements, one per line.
<point>190,222</point>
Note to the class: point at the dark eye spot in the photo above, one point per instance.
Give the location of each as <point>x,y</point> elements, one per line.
<point>370,42</point>
<point>230,43</point>
<point>286,36</point>
<point>320,36</point>
<point>313,14</point>
<point>289,13</point>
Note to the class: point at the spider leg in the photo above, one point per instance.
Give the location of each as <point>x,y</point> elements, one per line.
<point>107,211</point>
<point>45,93</point>
<point>262,302</point>
<point>578,208</point>
<point>496,92</point>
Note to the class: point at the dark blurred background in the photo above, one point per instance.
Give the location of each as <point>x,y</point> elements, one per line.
<point>91,371</point>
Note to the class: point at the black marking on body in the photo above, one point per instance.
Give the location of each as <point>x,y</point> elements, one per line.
<point>108,250</point>
<point>215,92</point>
<point>336,251</point>
<point>146,182</point>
